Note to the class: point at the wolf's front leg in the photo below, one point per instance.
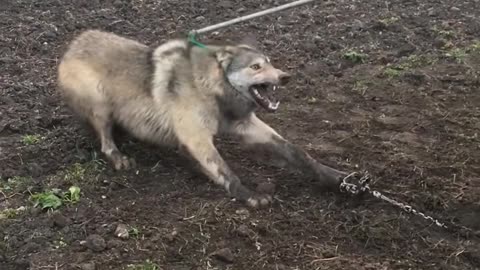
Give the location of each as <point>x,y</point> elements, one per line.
<point>202,150</point>
<point>262,137</point>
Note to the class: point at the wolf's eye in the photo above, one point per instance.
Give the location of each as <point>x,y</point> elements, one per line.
<point>255,66</point>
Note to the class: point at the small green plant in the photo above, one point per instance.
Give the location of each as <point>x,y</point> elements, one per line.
<point>457,54</point>
<point>72,195</point>
<point>360,87</point>
<point>46,200</point>
<point>31,139</point>
<point>389,21</point>
<point>392,72</point>
<point>75,173</point>
<point>80,171</point>
<point>16,182</point>
<point>54,198</point>
<point>147,265</point>
<point>355,57</point>
<point>475,47</point>
<point>415,61</point>
<point>11,213</point>
<point>59,243</point>
<point>134,232</point>
<point>409,63</point>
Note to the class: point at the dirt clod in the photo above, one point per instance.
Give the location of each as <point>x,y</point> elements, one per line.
<point>243,230</point>
<point>266,188</point>
<point>60,220</point>
<point>87,266</point>
<point>224,254</point>
<point>95,242</point>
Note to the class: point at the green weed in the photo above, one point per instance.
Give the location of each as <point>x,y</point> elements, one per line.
<point>355,57</point>
<point>134,232</point>
<point>458,54</point>
<point>147,265</point>
<point>389,21</point>
<point>15,183</point>
<point>392,72</point>
<point>11,213</point>
<point>360,87</point>
<point>32,139</point>
<point>53,199</point>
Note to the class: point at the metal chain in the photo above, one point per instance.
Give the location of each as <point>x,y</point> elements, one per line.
<point>363,187</point>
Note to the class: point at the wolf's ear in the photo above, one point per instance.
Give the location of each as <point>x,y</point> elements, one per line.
<point>224,56</point>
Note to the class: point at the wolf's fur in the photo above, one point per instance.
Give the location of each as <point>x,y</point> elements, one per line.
<point>177,95</point>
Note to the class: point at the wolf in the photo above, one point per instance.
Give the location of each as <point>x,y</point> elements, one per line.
<point>179,94</point>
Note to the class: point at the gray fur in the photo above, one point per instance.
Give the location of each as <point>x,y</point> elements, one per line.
<point>177,95</point>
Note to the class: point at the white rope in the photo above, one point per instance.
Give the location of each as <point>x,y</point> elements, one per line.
<point>251,16</point>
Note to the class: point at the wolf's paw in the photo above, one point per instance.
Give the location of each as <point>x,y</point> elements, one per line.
<point>259,200</point>
<point>121,162</point>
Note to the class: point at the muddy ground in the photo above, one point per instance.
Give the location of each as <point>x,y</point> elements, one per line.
<point>391,87</point>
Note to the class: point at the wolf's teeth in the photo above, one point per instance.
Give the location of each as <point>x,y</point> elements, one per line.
<point>274,87</point>
<point>274,106</point>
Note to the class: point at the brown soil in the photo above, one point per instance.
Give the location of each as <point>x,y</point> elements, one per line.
<point>416,130</point>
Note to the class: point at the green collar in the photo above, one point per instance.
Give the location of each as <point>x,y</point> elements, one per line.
<point>193,40</point>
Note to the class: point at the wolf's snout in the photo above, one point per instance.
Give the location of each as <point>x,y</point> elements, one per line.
<point>284,78</point>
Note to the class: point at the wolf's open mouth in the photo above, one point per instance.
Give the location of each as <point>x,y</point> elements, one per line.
<point>263,95</point>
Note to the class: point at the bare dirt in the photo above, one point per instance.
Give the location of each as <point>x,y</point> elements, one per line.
<point>388,87</point>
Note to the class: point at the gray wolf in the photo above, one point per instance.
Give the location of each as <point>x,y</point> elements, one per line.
<point>181,95</point>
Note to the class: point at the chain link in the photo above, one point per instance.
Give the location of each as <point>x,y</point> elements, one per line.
<point>363,187</point>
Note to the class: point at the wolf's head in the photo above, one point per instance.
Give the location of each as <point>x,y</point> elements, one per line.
<point>251,73</point>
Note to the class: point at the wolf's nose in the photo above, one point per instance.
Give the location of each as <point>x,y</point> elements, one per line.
<point>284,78</point>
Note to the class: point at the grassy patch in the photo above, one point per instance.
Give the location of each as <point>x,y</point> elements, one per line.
<point>392,72</point>
<point>360,87</point>
<point>389,21</point>
<point>57,244</point>
<point>442,32</point>
<point>458,54</point>
<point>461,54</point>
<point>79,171</point>
<point>11,213</point>
<point>354,57</point>
<point>409,63</point>
<point>134,232</point>
<point>15,183</point>
<point>147,265</point>
<point>32,139</point>
<point>53,199</point>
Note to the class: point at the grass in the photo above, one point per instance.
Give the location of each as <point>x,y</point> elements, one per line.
<point>389,21</point>
<point>458,54</point>
<point>55,198</point>
<point>11,213</point>
<point>392,72</point>
<point>134,232</point>
<point>355,57</point>
<point>409,63</point>
<point>147,265</point>
<point>461,54</point>
<point>57,244</point>
<point>15,182</point>
<point>32,139</point>
<point>444,33</point>
<point>360,87</point>
<point>79,171</point>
